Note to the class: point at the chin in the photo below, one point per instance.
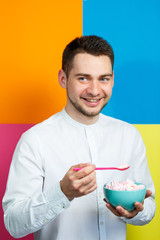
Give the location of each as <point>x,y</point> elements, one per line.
<point>86,110</point>
<point>93,112</point>
<point>90,113</point>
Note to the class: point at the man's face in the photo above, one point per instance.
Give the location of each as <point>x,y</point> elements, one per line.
<point>89,84</point>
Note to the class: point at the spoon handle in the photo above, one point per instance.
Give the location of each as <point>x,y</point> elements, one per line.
<point>105,168</point>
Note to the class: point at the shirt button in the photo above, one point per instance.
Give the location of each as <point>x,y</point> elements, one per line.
<point>45,221</point>
<point>101,223</point>
<point>63,206</point>
<point>100,195</point>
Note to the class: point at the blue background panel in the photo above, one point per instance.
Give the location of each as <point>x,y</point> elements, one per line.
<point>133,29</point>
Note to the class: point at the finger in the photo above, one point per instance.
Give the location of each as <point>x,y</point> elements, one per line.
<point>139,206</point>
<point>148,193</point>
<point>91,189</point>
<point>86,187</point>
<point>80,165</point>
<point>111,208</point>
<point>127,214</point>
<point>88,179</point>
<point>85,171</point>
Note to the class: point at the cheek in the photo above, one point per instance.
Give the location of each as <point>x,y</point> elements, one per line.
<point>108,90</point>
<point>73,90</point>
<point>78,90</point>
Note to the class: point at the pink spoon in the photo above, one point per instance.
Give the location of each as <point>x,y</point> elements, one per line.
<point>120,168</point>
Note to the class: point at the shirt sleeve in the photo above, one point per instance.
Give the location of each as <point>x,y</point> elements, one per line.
<point>27,208</point>
<point>142,174</point>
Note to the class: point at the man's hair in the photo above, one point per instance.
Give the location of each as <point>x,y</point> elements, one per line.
<point>93,45</point>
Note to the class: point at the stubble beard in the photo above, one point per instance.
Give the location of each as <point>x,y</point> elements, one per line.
<point>80,108</point>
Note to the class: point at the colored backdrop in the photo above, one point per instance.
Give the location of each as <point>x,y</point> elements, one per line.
<point>133,29</point>
<point>33,35</point>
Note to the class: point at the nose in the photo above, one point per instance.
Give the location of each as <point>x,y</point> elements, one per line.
<point>94,88</point>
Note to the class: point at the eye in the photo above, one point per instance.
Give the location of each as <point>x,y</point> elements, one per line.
<point>104,79</point>
<point>83,79</point>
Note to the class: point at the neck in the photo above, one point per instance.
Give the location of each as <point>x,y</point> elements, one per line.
<point>80,117</point>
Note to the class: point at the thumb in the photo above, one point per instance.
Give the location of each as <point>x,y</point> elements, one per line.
<point>148,193</point>
<point>81,165</point>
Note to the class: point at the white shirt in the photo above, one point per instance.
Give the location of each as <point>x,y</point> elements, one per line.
<point>34,202</point>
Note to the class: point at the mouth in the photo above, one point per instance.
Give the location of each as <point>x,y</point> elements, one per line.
<point>92,102</point>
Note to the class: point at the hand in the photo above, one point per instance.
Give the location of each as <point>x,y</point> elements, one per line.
<point>79,183</point>
<point>121,212</point>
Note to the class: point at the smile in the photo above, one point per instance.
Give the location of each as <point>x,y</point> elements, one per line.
<point>92,100</point>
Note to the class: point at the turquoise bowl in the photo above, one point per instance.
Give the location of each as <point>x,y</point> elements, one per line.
<point>125,199</point>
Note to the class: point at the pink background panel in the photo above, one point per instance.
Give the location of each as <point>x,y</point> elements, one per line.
<point>9,136</point>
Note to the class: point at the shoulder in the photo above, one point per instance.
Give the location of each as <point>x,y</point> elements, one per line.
<point>107,120</point>
<point>43,128</point>
<point>118,125</point>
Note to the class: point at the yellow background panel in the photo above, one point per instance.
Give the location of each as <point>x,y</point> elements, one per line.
<point>150,134</point>
<point>33,36</point>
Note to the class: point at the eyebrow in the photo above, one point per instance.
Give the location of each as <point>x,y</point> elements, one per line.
<point>88,75</point>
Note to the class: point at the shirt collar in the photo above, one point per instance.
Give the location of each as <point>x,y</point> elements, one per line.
<point>76,123</point>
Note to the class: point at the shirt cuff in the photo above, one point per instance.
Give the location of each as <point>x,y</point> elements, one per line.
<point>57,200</point>
<point>131,221</point>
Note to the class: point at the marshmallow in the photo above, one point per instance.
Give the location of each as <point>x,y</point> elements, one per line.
<point>124,186</point>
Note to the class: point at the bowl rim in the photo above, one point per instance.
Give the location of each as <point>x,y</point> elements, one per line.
<point>137,183</point>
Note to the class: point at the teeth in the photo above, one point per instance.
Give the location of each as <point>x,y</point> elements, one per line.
<point>92,100</point>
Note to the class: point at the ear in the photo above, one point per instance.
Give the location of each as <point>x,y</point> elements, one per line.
<point>113,79</point>
<point>62,78</point>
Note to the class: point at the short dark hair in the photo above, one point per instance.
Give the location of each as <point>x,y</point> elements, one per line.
<point>86,44</point>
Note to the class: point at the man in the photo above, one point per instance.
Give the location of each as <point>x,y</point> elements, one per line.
<point>46,198</point>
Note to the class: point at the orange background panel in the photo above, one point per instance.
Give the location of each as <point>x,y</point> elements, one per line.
<point>33,36</point>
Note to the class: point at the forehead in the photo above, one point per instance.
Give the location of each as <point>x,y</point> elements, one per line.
<point>90,64</point>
